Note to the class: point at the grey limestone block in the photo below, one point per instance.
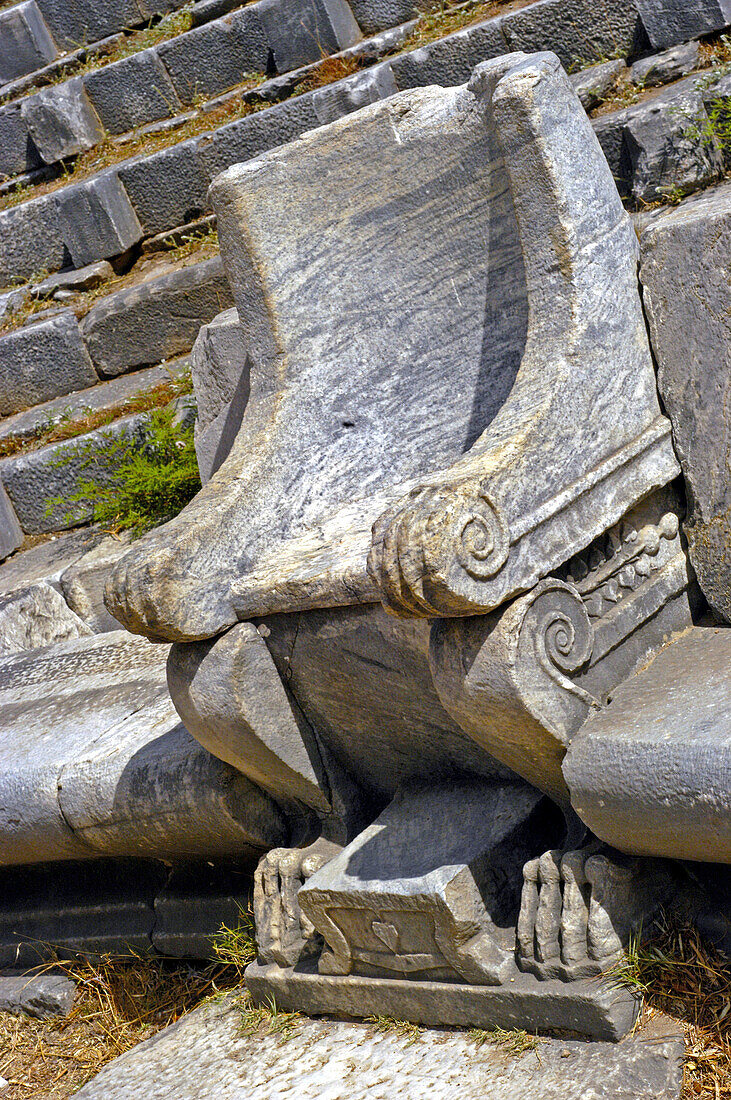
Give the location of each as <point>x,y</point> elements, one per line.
<point>323,294</point>
<point>82,583</point>
<point>206,1057</point>
<point>688,303</point>
<point>664,67</point>
<point>413,897</point>
<point>257,133</point>
<point>374,16</point>
<point>17,152</point>
<point>168,188</point>
<point>131,92</point>
<point>25,42</point>
<point>11,534</point>
<point>40,482</point>
<point>61,121</point>
<point>43,360</point>
<point>154,320</point>
<point>79,22</point>
<point>97,219</point>
<point>669,22</point>
<point>217,56</point>
<point>37,995</point>
<point>47,561</point>
<point>671,146</point>
<point>304,30</point>
<point>220,370</point>
<point>31,241</point>
<point>651,772</point>
<point>450,60</point>
<point>35,617</point>
<point>578,31</point>
<point>85,278</point>
<point>97,763</point>
<point>354,92</point>
<point>591,85</point>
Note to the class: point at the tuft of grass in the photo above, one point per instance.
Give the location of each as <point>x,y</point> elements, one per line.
<point>121,1000</point>
<point>514,1041</point>
<point>682,976</point>
<point>328,71</point>
<point>268,1019</point>
<point>154,478</point>
<point>236,947</point>
<point>69,425</point>
<point>442,17</point>
<point>389,1025</point>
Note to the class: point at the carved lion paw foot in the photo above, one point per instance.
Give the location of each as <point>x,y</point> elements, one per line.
<point>419,544</point>
<point>578,910</point>
<point>284,935</point>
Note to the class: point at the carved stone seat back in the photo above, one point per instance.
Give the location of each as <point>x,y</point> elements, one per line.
<point>438,297</point>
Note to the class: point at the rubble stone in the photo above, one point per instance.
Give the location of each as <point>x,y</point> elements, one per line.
<point>662,68</point>
<point>37,616</point>
<point>37,995</point>
<point>591,85</point>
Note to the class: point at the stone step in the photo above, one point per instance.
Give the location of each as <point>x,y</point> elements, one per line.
<point>106,214</point>
<point>36,32</point>
<point>149,322</point>
<point>208,1056</point>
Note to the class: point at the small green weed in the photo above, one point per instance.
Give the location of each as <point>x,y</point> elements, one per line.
<point>387,1024</point>
<point>155,477</point>
<point>236,947</point>
<point>267,1019</point>
<point>514,1041</point>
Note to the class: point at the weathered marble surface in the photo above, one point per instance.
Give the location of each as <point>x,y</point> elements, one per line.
<point>651,772</point>
<point>96,762</point>
<point>333,272</point>
<point>37,616</point>
<point>687,294</point>
<point>205,1057</point>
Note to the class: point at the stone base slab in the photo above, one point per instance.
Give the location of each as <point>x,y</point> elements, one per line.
<point>593,1008</point>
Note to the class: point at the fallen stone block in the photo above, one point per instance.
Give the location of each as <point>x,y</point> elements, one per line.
<point>61,121</point>
<point>11,535</point>
<point>83,583</point>
<point>131,92</point>
<point>688,302</point>
<point>95,761</point>
<point>346,96</point>
<point>215,57</point>
<point>76,22</point>
<point>167,189</point>
<point>31,242</point>
<point>37,995</point>
<point>155,320</point>
<point>244,139</point>
<point>41,361</point>
<point>301,32</point>
<point>40,483</point>
<point>671,146</point>
<point>650,773</point>
<point>591,85</point>
<point>380,15</point>
<point>83,278</point>
<point>37,616</point>
<point>450,61</point>
<point>220,369</point>
<point>662,68</point>
<point>206,1057</point>
<point>97,219</point>
<point>11,301</point>
<point>669,22</point>
<point>47,561</point>
<point>93,906</point>
<point>17,152</point>
<point>25,42</point>
<point>577,30</point>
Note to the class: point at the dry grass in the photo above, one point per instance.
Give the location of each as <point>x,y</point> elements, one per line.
<point>389,1025</point>
<point>685,978</point>
<point>514,1041</point>
<point>121,1000</point>
<point>443,18</point>
<point>328,71</point>
<point>73,425</point>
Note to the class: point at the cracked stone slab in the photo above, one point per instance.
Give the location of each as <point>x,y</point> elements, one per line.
<point>38,995</point>
<point>35,617</point>
<point>47,561</point>
<point>205,1057</point>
